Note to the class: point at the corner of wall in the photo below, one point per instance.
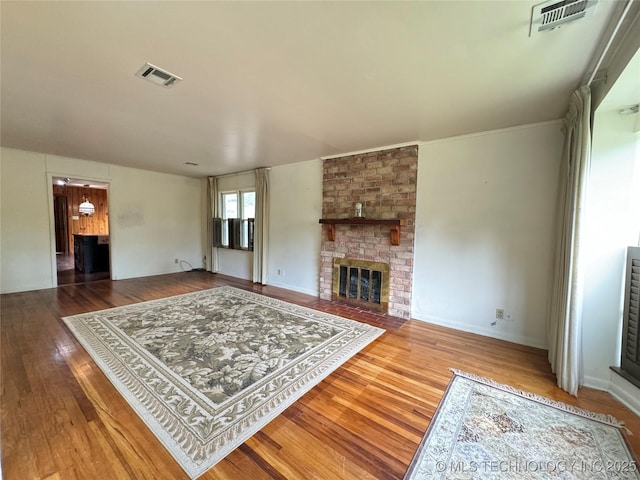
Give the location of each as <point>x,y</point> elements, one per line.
<point>625,392</point>
<point>619,388</point>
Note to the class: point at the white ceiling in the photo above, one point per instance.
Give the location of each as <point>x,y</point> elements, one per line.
<point>270,83</point>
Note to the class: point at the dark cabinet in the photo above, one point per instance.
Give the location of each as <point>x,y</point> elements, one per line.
<point>91,253</point>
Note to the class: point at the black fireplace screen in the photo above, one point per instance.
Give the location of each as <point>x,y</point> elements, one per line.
<point>361,284</point>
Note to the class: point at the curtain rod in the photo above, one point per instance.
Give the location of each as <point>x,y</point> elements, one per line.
<point>240,173</point>
<point>609,42</point>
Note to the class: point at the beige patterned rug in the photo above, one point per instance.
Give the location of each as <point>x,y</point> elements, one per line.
<point>485,430</point>
<point>207,370</point>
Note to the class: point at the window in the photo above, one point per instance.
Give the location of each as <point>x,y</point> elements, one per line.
<point>248,204</point>
<point>234,228</point>
<point>229,206</point>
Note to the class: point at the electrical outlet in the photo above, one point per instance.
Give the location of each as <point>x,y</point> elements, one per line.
<point>280,271</point>
<point>500,313</point>
<point>175,260</point>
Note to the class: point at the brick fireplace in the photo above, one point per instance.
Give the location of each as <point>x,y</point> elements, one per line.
<point>384,182</point>
<point>361,282</point>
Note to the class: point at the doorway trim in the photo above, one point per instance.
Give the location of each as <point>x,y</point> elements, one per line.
<point>52,227</point>
<point>61,222</point>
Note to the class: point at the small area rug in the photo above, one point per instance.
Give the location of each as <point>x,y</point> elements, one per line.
<point>207,370</point>
<point>487,430</point>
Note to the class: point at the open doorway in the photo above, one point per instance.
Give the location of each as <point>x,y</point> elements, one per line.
<point>81,221</point>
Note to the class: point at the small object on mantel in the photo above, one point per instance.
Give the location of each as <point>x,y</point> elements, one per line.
<point>394,226</point>
<point>358,210</point>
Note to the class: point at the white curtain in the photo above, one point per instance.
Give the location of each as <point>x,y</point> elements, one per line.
<point>212,211</point>
<point>564,325</point>
<point>261,227</point>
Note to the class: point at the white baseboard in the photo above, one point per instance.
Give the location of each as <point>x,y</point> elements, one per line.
<point>294,288</point>
<point>619,388</point>
<point>487,332</point>
<point>625,392</point>
<point>596,382</point>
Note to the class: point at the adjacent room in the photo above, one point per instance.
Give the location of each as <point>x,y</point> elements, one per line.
<point>331,240</point>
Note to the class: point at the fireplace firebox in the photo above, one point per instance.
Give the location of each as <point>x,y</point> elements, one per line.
<point>361,282</point>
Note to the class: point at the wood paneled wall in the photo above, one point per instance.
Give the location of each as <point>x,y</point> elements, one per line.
<point>96,224</point>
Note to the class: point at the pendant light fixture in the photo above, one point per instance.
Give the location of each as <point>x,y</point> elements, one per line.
<point>86,208</point>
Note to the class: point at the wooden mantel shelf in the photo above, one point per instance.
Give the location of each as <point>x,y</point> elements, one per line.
<point>394,225</point>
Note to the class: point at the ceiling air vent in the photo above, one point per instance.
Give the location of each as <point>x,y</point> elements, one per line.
<point>550,15</point>
<point>158,76</point>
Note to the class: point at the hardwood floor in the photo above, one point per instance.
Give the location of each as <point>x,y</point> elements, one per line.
<point>62,418</point>
<point>67,274</point>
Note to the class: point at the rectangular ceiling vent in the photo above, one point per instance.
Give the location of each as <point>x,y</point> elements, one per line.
<point>158,75</point>
<point>550,15</point>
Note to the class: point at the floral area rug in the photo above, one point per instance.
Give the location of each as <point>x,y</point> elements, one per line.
<point>207,370</point>
<point>485,430</point>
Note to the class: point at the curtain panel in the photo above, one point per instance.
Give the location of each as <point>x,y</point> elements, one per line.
<point>261,229</point>
<point>564,323</point>
<point>213,264</point>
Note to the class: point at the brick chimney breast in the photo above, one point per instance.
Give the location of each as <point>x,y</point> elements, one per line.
<point>384,182</point>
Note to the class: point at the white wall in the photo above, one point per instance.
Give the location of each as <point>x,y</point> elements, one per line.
<point>294,232</point>
<point>152,218</point>
<point>485,226</point>
<point>25,256</point>
<point>613,223</point>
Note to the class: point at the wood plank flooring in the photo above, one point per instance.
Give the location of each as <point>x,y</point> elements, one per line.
<point>62,418</point>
